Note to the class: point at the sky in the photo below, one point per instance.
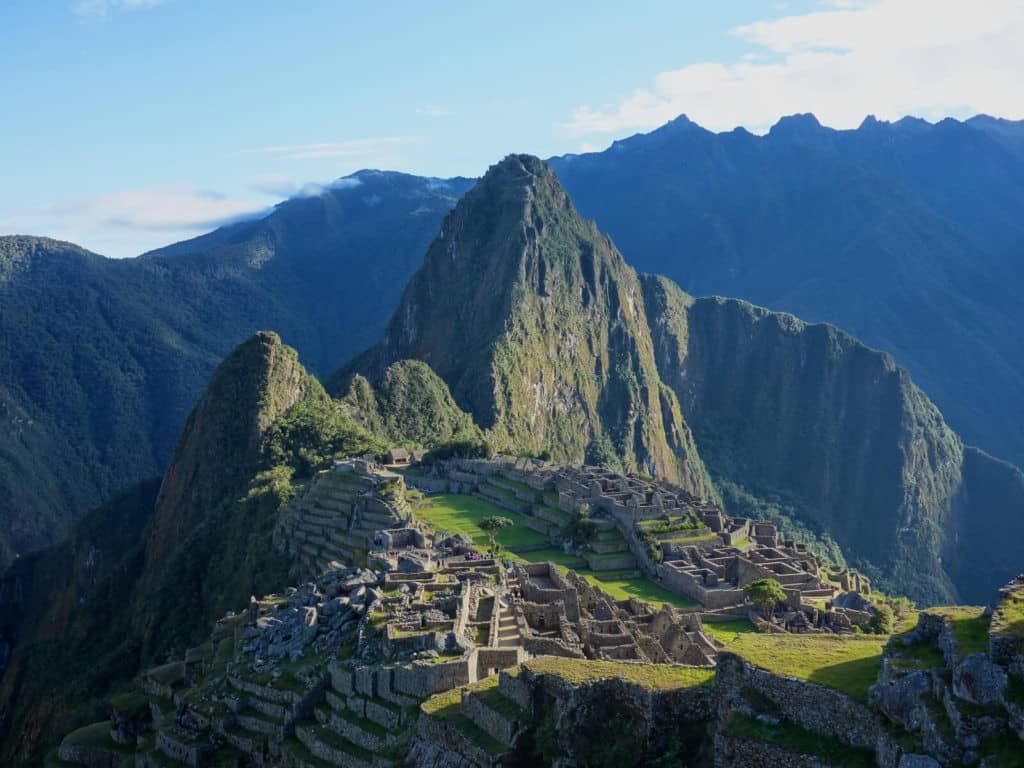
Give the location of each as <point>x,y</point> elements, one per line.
<point>129,124</point>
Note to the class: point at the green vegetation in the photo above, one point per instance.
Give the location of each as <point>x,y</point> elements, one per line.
<point>502,319</point>
<point>656,677</point>
<point>970,626</point>
<point>848,664</point>
<point>924,654</point>
<point>794,738</point>
<point>492,525</point>
<point>727,632</point>
<point>1003,750</point>
<point>1008,618</point>
<point>464,515</point>
<point>97,735</point>
<point>447,707</point>
<point>410,404</point>
<point>765,594</point>
<point>623,588</point>
<point>316,430</point>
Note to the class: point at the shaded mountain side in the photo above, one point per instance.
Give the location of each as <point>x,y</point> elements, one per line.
<point>906,235</point>
<point>64,606</point>
<point>988,515</point>
<point>537,325</point>
<point>808,416</point>
<point>101,360</point>
<point>143,578</point>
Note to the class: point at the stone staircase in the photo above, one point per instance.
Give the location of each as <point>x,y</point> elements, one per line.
<point>508,630</point>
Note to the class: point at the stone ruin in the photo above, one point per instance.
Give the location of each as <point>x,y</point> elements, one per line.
<point>560,615</point>
<point>689,545</point>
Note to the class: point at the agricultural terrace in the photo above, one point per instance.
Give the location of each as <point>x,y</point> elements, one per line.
<point>462,514</point>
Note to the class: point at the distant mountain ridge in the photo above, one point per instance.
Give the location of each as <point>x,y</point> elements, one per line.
<point>102,359</point>
<point>904,234</point>
<point>907,235</point>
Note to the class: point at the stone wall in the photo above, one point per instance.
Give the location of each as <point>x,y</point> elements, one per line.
<point>438,732</point>
<point>812,706</point>
<point>493,722</point>
<point>423,680</point>
<point>732,752</point>
<point>514,688</point>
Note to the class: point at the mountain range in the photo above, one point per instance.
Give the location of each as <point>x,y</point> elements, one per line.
<point>904,234</point>
<point>525,330</point>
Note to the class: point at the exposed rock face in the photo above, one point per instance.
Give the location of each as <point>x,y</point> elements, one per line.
<point>783,407</point>
<point>538,326</point>
<point>978,680</point>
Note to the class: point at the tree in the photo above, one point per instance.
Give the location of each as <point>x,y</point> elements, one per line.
<point>492,525</point>
<point>765,594</point>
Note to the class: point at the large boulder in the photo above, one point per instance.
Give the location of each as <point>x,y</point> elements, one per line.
<point>978,680</point>
<point>900,699</point>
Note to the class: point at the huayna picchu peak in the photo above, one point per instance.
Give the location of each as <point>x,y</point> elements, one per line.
<point>537,325</point>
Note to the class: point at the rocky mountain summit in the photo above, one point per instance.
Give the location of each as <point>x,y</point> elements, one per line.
<point>537,325</point>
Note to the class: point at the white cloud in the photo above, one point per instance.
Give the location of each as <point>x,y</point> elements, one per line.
<point>889,58</point>
<point>433,110</point>
<point>129,222</point>
<point>350,148</point>
<point>102,7</point>
<point>281,186</point>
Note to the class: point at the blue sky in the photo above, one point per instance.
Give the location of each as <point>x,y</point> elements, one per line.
<point>128,124</point>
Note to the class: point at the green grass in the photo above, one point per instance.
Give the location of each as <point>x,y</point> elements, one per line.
<point>447,706</point>
<point>554,555</point>
<point>970,626</point>
<point>1006,748</point>
<point>459,513</point>
<point>685,537</point>
<point>638,587</point>
<point>342,744</point>
<point>727,632</point>
<point>519,486</point>
<point>847,664</point>
<point>656,677</point>
<point>1008,618</point>
<point>504,706</point>
<point>794,738</point>
<point>916,656</point>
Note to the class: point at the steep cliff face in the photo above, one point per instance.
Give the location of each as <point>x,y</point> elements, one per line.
<point>807,414</point>
<point>64,605</point>
<point>538,326</point>
<point>254,385</point>
<point>984,546</point>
